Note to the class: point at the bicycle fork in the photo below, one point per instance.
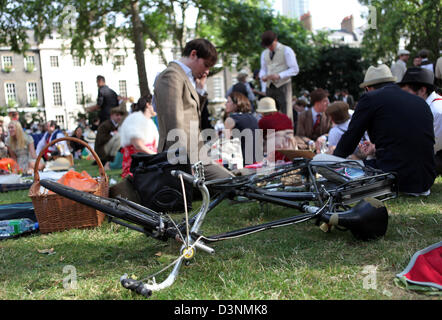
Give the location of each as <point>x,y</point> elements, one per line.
<point>188,249</point>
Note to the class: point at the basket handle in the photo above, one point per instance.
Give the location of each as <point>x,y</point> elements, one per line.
<point>42,152</point>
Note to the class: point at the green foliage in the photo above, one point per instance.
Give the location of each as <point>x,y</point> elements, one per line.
<point>419,22</point>
<point>334,68</point>
<point>30,67</point>
<point>16,17</point>
<point>33,103</point>
<point>12,103</point>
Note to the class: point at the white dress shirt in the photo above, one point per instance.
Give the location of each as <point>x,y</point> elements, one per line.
<point>189,74</point>
<point>436,109</point>
<point>290,59</point>
<point>398,70</point>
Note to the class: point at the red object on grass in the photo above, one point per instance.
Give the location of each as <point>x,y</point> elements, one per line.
<point>425,267</point>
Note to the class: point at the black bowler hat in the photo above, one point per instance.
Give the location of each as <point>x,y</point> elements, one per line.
<point>418,75</point>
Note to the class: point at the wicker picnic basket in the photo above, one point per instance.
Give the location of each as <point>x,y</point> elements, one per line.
<point>57,213</point>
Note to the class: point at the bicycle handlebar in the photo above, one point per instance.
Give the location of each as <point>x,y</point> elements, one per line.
<point>187,177</point>
<point>135,285</point>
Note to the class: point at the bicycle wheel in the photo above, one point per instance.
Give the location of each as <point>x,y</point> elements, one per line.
<point>111,207</point>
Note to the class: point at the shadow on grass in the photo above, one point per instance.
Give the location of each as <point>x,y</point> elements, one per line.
<point>100,256</point>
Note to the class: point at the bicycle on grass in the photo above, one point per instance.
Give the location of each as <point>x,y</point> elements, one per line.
<point>322,191</point>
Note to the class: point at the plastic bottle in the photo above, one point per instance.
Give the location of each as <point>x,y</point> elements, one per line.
<point>10,228</point>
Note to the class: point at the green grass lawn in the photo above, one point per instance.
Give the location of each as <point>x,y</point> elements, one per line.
<point>295,262</point>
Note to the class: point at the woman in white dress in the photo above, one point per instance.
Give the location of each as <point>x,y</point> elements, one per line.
<point>138,132</point>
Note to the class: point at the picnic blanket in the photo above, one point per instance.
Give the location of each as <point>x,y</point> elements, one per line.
<point>424,270</point>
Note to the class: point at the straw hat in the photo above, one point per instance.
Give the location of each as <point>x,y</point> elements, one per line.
<point>403,52</point>
<point>375,75</point>
<point>59,164</point>
<point>338,112</point>
<point>90,137</point>
<point>266,105</point>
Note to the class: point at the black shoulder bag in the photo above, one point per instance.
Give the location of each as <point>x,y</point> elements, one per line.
<point>156,187</point>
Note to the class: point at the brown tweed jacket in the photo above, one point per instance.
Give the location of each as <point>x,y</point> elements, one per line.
<point>304,127</point>
<point>178,106</point>
<point>103,136</point>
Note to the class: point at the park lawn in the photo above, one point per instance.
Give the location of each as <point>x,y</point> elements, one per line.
<point>288,263</point>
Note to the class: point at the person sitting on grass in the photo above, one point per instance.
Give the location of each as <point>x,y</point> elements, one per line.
<point>138,132</point>
<point>339,114</point>
<point>276,125</point>
<point>21,147</point>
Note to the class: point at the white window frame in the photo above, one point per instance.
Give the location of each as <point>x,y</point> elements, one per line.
<point>79,94</point>
<point>53,61</point>
<point>4,65</point>
<point>95,58</point>
<point>218,87</point>
<point>122,87</point>
<point>76,61</point>
<point>32,93</point>
<point>59,119</point>
<point>119,60</point>
<point>56,94</point>
<point>8,93</point>
<point>27,61</point>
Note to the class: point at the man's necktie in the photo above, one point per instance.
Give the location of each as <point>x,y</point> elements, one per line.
<point>272,53</point>
<point>317,122</point>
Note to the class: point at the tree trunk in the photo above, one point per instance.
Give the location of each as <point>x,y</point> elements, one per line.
<point>138,40</point>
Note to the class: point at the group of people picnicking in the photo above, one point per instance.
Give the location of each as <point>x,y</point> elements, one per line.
<point>395,126</point>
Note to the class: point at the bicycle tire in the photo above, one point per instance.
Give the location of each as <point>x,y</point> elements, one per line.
<point>108,206</point>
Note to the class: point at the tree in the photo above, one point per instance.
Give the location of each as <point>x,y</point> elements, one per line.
<point>416,21</point>
<point>340,67</point>
<point>16,18</point>
<point>234,26</point>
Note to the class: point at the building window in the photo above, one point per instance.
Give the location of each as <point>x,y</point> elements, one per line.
<point>56,91</point>
<point>32,92</point>
<point>77,61</point>
<point>79,94</point>
<point>7,64</point>
<point>118,60</point>
<point>122,85</point>
<point>98,60</point>
<point>60,120</point>
<point>30,63</point>
<point>218,87</point>
<point>54,61</point>
<point>10,93</point>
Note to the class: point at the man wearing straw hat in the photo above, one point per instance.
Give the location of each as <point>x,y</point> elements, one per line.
<point>400,66</point>
<point>400,128</point>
